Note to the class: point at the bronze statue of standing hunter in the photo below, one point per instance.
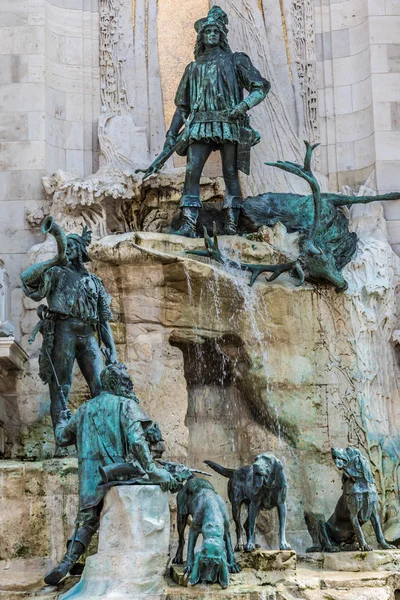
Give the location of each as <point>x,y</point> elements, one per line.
<point>211,107</point>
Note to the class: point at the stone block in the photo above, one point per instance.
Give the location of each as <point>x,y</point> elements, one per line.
<point>36,68</point>
<point>74,106</point>
<point>345,156</point>
<point>63,21</point>
<point>376,7</point>
<point>13,68</point>
<point>395,115</point>
<point>384,30</point>
<point>134,532</point>
<point>36,126</point>
<point>379,59</point>
<point>22,575</point>
<point>323,46</point>
<point>352,69</point>
<point>30,40</point>
<point>386,86</point>
<point>392,208</point>
<point>74,50</point>
<point>393,57</point>
<point>55,46</point>
<point>377,560</point>
<point>393,228</point>
<point>19,241</point>
<point>348,14</point>
<point>355,126</point>
<point>21,185</point>
<point>359,37</point>
<point>14,13</point>
<point>364,151</point>
<point>343,99</point>
<point>21,97</point>
<point>392,7</point>
<point>64,134</point>
<point>12,214</point>
<point>21,155</point>
<point>362,94</point>
<point>388,177</point>
<point>382,116</point>
<point>55,158</point>
<point>56,104</point>
<point>74,162</point>
<point>13,126</point>
<point>387,145</point>
<point>269,560</point>
<point>36,12</point>
<point>340,43</point>
<point>66,78</point>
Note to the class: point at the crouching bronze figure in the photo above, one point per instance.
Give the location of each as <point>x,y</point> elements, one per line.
<point>261,486</point>
<point>108,430</point>
<point>215,559</point>
<point>357,505</point>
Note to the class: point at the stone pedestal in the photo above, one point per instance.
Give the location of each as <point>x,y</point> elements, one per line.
<point>133,547</point>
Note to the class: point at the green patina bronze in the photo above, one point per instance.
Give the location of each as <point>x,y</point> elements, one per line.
<point>78,309</point>
<point>326,243</point>
<point>215,558</point>
<point>110,431</point>
<point>212,110</point>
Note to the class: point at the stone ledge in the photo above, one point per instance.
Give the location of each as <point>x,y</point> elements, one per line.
<point>377,560</point>
<point>269,560</point>
<point>22,574</point>
<point>12,355</point>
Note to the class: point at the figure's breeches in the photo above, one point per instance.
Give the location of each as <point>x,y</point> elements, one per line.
<point>74,339</point>
<point>197,156</point>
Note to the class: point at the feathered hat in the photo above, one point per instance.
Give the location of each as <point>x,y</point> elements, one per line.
<point>82,241</point>
<point>216,16</point>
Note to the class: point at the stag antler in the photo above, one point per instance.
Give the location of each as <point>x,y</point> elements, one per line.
<point>212,251</point>
<point>295,268</point>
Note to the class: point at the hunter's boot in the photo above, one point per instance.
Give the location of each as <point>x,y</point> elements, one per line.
<point>231,208</point>
<point>190,208</point>
<point>75,548</point>
<point>73,554</point>
<point>189,217</point>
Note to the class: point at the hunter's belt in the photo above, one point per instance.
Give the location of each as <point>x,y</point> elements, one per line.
<point>213,116</point>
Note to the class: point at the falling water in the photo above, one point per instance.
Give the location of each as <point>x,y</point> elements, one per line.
<point>253,309</point>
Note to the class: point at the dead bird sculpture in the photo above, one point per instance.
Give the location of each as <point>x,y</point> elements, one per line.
<point>215,559</point>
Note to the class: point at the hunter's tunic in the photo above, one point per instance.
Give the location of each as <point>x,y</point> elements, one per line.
<point>211,87</point>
